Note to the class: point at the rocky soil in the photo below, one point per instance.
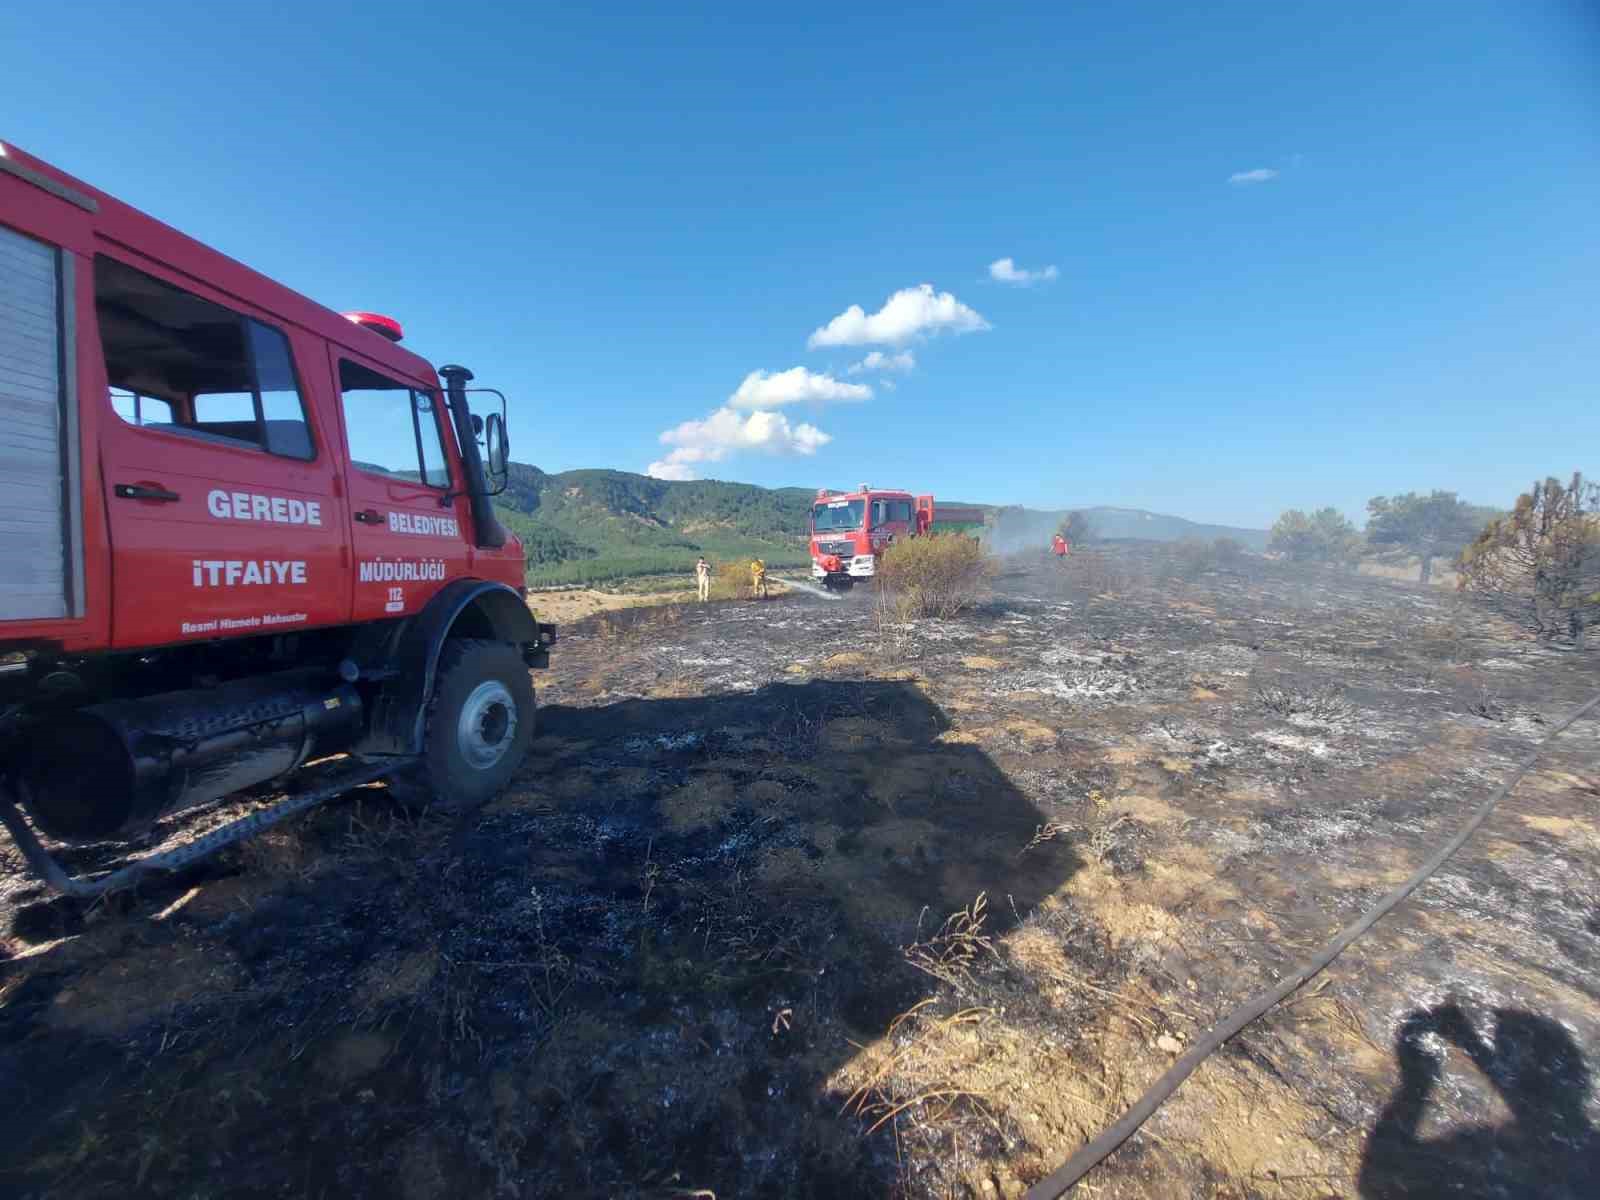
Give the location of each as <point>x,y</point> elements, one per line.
<point>793,900</point>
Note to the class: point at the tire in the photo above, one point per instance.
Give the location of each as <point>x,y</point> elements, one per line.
<point>480,723</point>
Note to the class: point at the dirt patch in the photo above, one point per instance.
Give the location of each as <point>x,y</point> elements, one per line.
<point>1128,922</point>
<point>1560,826</point>
<point>847,660</point>
<point>981,662</point>
<point>127,992</point>
<point>564,606</point>
<point>352,1057</point>
<point>1028,732</point>
<point>701,803</point>
<point>1148,809</point>
<point>396,977</point>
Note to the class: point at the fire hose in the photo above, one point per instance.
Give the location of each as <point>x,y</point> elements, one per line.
<point>1061,1181</point>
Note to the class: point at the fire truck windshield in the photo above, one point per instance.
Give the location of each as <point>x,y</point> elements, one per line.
<point>840,514</point>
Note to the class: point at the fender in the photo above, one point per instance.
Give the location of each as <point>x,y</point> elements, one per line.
<point>473,608</point>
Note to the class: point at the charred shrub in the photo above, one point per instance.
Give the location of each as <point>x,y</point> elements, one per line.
<point>1483,702</point>
<point>938,575</point>
<point>1100,572</point>
<point>1318,704</point>
<point>1193,557</point>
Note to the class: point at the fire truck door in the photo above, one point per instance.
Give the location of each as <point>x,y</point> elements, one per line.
<point>891,519</point>
<point>408,519</point>
<point>220,495</point>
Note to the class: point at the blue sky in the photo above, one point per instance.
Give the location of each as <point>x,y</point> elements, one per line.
<point>618,216</point>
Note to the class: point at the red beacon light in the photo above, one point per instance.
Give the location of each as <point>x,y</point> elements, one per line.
<point>386,327</point>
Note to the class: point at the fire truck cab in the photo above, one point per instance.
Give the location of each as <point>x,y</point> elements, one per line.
<point>239,531</point>
<point>850,529</point>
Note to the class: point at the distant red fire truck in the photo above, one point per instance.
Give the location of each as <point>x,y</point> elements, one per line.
<point>849,530</point>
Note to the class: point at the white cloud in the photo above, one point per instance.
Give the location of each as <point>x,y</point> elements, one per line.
<point>877,360</point>
<point>725,432</point>
<point>1005,270</point>
<point>1259,175</point>
<point>761,389</point>
<point>667,469</point>
<point>909,313</point>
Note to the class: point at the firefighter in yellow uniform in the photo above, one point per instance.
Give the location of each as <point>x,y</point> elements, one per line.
<point>758,579</point>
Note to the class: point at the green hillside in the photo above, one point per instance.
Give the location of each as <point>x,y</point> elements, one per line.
<point>594,526</point>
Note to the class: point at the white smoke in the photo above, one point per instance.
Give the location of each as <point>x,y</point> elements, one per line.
<point>1021,531</point>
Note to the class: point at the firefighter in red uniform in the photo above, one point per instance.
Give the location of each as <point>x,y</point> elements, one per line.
<point>1058,547</point>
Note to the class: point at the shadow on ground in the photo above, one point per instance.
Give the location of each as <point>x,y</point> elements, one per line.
<point>1548,1147</point>
<point>633,975</point>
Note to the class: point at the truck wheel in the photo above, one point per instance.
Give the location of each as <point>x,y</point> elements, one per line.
<point>480,722</point>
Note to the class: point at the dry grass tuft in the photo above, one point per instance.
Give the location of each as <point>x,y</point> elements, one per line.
<point>1047,832</point>
<point>897,1083</point>
<point>960,944</point>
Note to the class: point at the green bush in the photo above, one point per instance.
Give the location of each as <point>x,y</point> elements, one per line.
<point>936,576</point>
<point>1324,536</point>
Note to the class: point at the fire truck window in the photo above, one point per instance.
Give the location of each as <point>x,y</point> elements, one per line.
<point>393,429</point>
<point>220,377</point>
<point>434,471</point>
<point>880,512</point>
<point>141,410</point>
<point>224,408</point>
<point>837,514</point>
<point>902,511</point>
<point>283,424</point>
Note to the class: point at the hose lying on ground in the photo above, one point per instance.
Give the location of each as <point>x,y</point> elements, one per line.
<point>1062,1180</point>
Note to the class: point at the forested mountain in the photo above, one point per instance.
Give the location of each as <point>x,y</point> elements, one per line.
<point>590,525</point>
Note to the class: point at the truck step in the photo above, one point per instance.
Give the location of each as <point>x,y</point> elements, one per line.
<point>322,786</point>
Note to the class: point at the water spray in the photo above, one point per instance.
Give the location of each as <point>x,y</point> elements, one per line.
<point>812,588</point>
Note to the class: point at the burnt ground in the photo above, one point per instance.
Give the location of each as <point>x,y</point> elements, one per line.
<point>794,901</point>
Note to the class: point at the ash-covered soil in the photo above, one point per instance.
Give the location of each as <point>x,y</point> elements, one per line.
<point>795,901</point>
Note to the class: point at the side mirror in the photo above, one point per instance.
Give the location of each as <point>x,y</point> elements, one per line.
<point>489,432</point>
<point>497,444</point>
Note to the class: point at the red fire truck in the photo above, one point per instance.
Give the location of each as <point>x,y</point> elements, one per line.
<point>241,533</point>
<point>850,529</point>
